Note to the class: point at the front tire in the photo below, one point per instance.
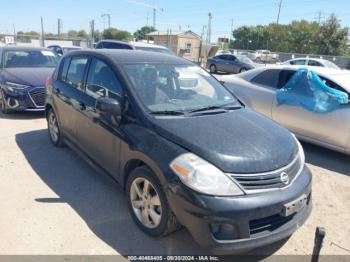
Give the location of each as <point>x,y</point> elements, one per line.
<point>243,69</point>
<point>54,129</point>
<point>148,205</point>
<point>3,106</point>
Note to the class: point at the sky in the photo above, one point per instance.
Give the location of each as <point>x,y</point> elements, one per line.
<point>24,15</point>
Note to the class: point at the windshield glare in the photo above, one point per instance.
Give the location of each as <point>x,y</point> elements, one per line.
<point>41,58</point>
<point>153,49</point>
<point>164,87</point>
<point>244,59</point>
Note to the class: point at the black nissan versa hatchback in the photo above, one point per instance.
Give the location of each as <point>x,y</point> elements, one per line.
<point>186,151</point>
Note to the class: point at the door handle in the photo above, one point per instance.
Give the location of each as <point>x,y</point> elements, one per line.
<point>82,106</point>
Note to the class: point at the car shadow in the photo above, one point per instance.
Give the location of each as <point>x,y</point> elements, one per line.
<point>327,159</point>
<point>100,202</point>
<point>23,115</point>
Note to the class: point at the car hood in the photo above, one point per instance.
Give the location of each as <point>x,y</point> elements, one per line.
<point>27,76</point>
<point>239,141</point>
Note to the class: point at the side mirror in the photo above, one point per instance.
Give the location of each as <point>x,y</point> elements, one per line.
<point>109,110</point>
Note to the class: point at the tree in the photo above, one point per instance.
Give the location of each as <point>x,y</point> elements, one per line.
<point>331,38</point>
<point>82,34</point>
<point>143,31</point>
<point>302,36</point>
<point>113,33</point>
<point>72,33</point>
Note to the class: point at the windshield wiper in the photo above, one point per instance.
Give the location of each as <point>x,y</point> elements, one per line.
<point>168,112</point>
<point>209,108</point>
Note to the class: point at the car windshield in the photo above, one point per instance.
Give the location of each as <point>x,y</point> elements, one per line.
<point>153,49</point>
<point>169,88</point>
<point>25,58</point>
<point>244,59</point>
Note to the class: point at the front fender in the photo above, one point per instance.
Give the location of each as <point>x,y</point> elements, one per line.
<point>156,152</point>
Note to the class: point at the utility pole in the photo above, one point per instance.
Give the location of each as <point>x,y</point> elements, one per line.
<point>42,33</point>
<point>59,27</point>
<point>108,15</point>
<point>279,11</point>
<point>231,30</point>
<point>155,8</point>
<point>319,16</point>
<point>92,32</point>
<point>147,24</point>
<point>209,29</point>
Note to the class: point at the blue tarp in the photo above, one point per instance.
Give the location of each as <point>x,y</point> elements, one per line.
<point>306,89</point>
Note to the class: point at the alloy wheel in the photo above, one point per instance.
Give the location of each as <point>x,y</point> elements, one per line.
<point>53,127</point>
<point>145,202</point>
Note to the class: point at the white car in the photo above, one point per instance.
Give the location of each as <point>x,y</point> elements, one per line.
<point>311,62</point>
<point>257,89</point>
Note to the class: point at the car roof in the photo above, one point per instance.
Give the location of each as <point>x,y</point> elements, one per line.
<point>124,56</point>
<point>24,48</point>
<point>114,41</point>
<point>143,44</point>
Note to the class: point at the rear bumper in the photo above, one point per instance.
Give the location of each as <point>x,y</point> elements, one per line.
<point>251,221</point>
<point>31,99</point>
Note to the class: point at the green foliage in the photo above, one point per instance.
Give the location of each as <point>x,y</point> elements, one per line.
<point>143,31</point>
<point>328,38</point>
<point>113,33</point>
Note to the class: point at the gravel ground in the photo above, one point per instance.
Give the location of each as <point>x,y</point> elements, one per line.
<point>52,202</point>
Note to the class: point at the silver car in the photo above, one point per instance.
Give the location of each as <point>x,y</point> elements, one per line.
<point>257,89</point>
<point>311,62</point>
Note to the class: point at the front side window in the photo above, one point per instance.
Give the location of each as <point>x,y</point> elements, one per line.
<point>111,45</point>
<point>314,63</point>
<point>102,82</point>
<point>29,58</point>
<point>76,71</point>
<point>166,87</point>
<point>298,62</point>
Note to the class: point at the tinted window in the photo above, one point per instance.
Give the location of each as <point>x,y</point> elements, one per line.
<point>298,62</point>
<point>102,81</point>
<point>99,45</point>
<point>314,63</point>
<point>267,78</point>
<point>110,45</point>
<point>76,72</point>
<point>284,77</point>
<point>29,58</point>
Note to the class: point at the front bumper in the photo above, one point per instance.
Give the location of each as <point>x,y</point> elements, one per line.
<point>250,221</point>
<point>29,99</point>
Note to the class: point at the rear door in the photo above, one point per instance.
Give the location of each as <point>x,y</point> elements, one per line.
<point>99,139</point>
<point>68,89</point>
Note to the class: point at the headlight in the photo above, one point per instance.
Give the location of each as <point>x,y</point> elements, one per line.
<point>300,151</point>
<point>203,177</point>
<point>14,86</point>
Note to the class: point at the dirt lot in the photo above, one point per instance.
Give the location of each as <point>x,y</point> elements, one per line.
<point>52,202</point>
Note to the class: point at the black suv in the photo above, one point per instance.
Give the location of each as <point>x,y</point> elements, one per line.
<point>185,150</point>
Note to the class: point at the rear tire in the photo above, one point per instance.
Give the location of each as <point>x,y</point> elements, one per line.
<point>54,129</point>
<point>212,69</point>
<point>148,205</point>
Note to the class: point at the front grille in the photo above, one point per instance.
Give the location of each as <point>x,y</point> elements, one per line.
<point>268,224</point>
<point>275,179</point>
<point>38,96</point>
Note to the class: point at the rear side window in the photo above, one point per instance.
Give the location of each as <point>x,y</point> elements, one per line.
<point>267,78</point>
<point>64,69</point>
<point>102,82</point>
<point>76,71</point>
<point>110,45</point>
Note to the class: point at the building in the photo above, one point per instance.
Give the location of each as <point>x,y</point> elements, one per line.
<point>185,44</point>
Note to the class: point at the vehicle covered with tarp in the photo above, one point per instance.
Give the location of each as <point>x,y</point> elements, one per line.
<point>306,89</point>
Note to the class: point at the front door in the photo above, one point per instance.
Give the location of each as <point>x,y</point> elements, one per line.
<point>99,139</point>
<point>330,128</point>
